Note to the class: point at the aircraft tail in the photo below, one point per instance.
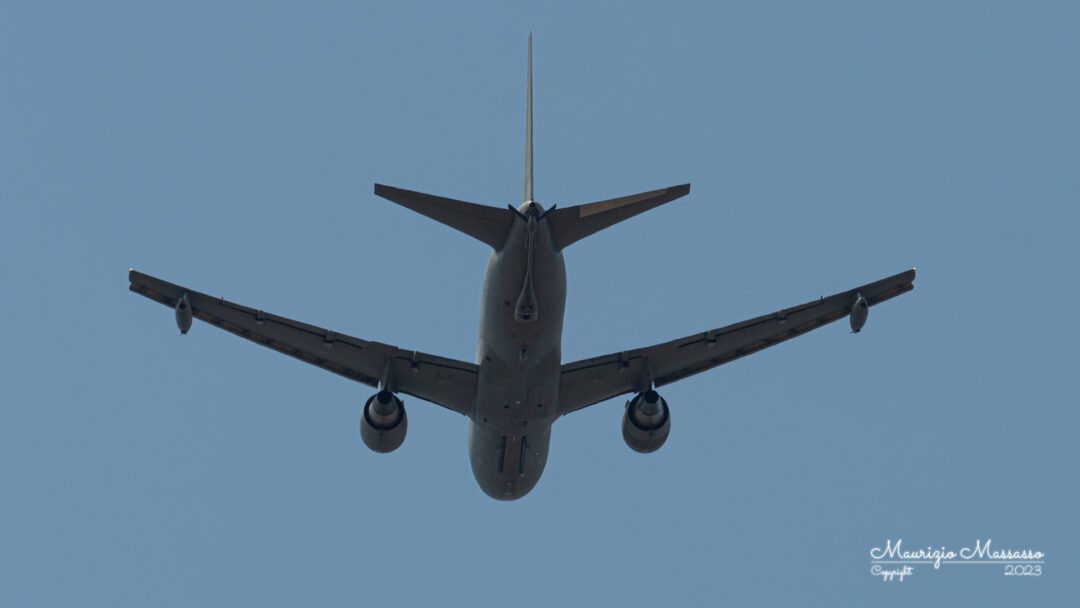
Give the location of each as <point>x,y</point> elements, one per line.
<point>528,130</point>
<point>486,224</point>
<point>571,224</point>
<point>492,225</point>
<point>575,223</point>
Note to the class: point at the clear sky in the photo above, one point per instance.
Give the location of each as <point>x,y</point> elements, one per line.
<point>232,149</point>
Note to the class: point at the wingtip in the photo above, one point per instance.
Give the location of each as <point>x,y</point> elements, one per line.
<point>679,191</point>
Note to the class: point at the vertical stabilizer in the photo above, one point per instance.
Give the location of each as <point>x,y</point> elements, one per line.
<point>528,129</point>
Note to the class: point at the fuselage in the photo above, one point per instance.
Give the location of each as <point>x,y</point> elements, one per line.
<point>519,354</point>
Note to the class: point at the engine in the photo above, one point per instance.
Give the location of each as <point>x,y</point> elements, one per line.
<point>860,310</point>
<point>646,423</point>
<point>383,422</point>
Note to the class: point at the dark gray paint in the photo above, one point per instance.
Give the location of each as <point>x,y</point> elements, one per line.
<point>518,385</point>
<point>518,390</point>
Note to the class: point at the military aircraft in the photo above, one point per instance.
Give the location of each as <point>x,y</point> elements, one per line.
<point>519,385</point>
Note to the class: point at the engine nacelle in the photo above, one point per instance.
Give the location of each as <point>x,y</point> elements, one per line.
<point>383,422</point>
<point>183,314</point>
<point>646,423</point>
<point>860,310</point>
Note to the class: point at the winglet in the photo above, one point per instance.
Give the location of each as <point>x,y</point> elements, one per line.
<point>528,190</point>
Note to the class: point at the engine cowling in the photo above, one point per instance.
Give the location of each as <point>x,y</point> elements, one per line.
<point>383,422</point>
<point>646,422</point>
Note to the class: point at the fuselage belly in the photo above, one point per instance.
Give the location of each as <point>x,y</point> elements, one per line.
<point>518,386</point>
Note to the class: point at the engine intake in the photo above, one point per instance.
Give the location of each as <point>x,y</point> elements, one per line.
<point>646,422</point>
<point>383,422</point>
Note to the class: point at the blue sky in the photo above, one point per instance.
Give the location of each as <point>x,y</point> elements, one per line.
<point>232,148</point>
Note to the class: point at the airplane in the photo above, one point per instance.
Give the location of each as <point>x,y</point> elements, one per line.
<point>519,385</point>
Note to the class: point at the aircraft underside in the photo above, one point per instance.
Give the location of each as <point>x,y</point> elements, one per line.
<point>519,385</point>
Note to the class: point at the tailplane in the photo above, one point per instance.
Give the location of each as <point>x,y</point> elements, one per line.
<point>571,224</point>
<point>492,225</point>
<point>487,224</point>
<point>575,223</point>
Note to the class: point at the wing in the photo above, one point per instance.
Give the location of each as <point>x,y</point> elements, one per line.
<point>449,383</point>
<point>590,381</point>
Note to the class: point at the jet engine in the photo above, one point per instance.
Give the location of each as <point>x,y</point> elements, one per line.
<point>860,310</point>
<point>646,423</point>
<point>383,422</point>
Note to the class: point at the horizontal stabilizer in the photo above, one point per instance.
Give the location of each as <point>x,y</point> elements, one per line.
<point>571,224</point>
<point>487,224</point>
